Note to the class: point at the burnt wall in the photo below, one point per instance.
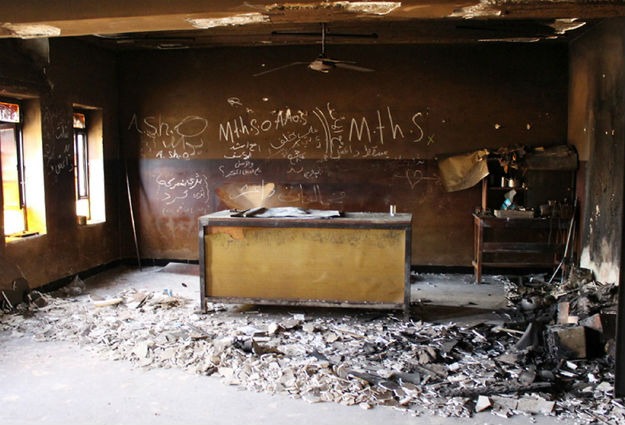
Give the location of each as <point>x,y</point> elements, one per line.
<point>74,74</point>
<point>203,134</point>
<point>597,126</point>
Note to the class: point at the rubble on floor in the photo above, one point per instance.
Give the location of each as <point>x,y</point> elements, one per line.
<point>358,358</point>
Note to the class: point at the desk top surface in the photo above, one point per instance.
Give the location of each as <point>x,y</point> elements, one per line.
<point>345,219</point>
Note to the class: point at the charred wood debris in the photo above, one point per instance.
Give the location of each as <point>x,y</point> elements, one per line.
<point>551,354</point>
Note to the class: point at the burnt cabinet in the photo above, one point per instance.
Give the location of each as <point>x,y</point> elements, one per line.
<point>517,242</point>
<point>532,233</point>
<point>534,188</point>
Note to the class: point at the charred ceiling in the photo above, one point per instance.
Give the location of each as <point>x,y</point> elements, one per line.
<point>194,23</point>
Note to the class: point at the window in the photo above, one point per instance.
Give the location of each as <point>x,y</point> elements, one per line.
<point>21,168</point>
<point>88,166</point>
<point>12,152</point>
<point>81,166</point>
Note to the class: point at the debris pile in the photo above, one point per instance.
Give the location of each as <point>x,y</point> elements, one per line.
<point>19,297</point>
<point>572,325</point>
<point>350,357</point>
<point>577,316</point>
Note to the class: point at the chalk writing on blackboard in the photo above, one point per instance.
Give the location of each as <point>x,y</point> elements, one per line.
<point>415,175</point>
<point>255,192</point>
<point>294,134</point>
<point>175,139</point>
<point>58,154</point>
<point>244,126</point>
<point>332,127</point>
<point>293,147</point>
<point>189,194</point>
<point>58,158</point>
<point>242,150</point>
<point>242,167</point>
<point>294,140</point>
<point>234,101</point>
<point>324,130</point>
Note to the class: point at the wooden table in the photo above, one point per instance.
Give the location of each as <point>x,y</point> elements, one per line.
<point>517,242</point>
<point>356,260</point>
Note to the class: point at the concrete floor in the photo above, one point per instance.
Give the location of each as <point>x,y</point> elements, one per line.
<point>61,383</point>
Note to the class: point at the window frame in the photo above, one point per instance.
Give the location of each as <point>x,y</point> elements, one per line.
<point>81,162</point>
<point>17,128</point>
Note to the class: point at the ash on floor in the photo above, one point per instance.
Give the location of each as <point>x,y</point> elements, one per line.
<point>453,368</point>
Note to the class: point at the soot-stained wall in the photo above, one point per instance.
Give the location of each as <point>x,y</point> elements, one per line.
<point>73,73</point>
<point>203,134</point>
<point>597,125</point>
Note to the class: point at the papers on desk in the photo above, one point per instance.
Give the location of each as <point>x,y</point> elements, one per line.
<point>287,212</point>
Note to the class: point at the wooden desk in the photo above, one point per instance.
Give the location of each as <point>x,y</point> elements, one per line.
<point>517,242</point>
<point>356,260</point>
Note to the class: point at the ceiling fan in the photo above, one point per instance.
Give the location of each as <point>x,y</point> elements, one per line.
<point>321,63</point>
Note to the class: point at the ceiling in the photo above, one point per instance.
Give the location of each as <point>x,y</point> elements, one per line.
<point>168,24</point>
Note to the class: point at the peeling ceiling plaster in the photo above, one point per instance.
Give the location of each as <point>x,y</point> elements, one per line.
<point>30,30</point>
<point>373,7</point>
<point>483,9</point>
<point>563,25</point>
<point>199,23</point>
<point>368,7</point>
<point>242,19</point>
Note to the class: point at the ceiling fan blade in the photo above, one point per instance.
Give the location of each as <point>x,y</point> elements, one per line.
<point>324,33</point>
<point>321,63</point>
<point>351,67</point>
<point>334,61</point>
<point>295,33</point>
<point>278,68</point>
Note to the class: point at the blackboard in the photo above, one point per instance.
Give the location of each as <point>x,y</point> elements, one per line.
<point>205,135</point>
<point>322,133</point>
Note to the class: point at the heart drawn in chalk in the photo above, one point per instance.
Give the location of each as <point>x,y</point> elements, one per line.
<point>414,177</point>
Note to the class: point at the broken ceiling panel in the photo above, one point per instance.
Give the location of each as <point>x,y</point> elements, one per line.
<point>364,7</point>
<point>371,7</point>
<point>563,25</point>
<point>29,30</point>
<point>483,9</point>
<point>229,22</point>
<point>243,19</point>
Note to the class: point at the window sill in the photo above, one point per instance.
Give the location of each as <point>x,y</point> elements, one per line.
<point>25,236</point>
<point>91,223</point>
